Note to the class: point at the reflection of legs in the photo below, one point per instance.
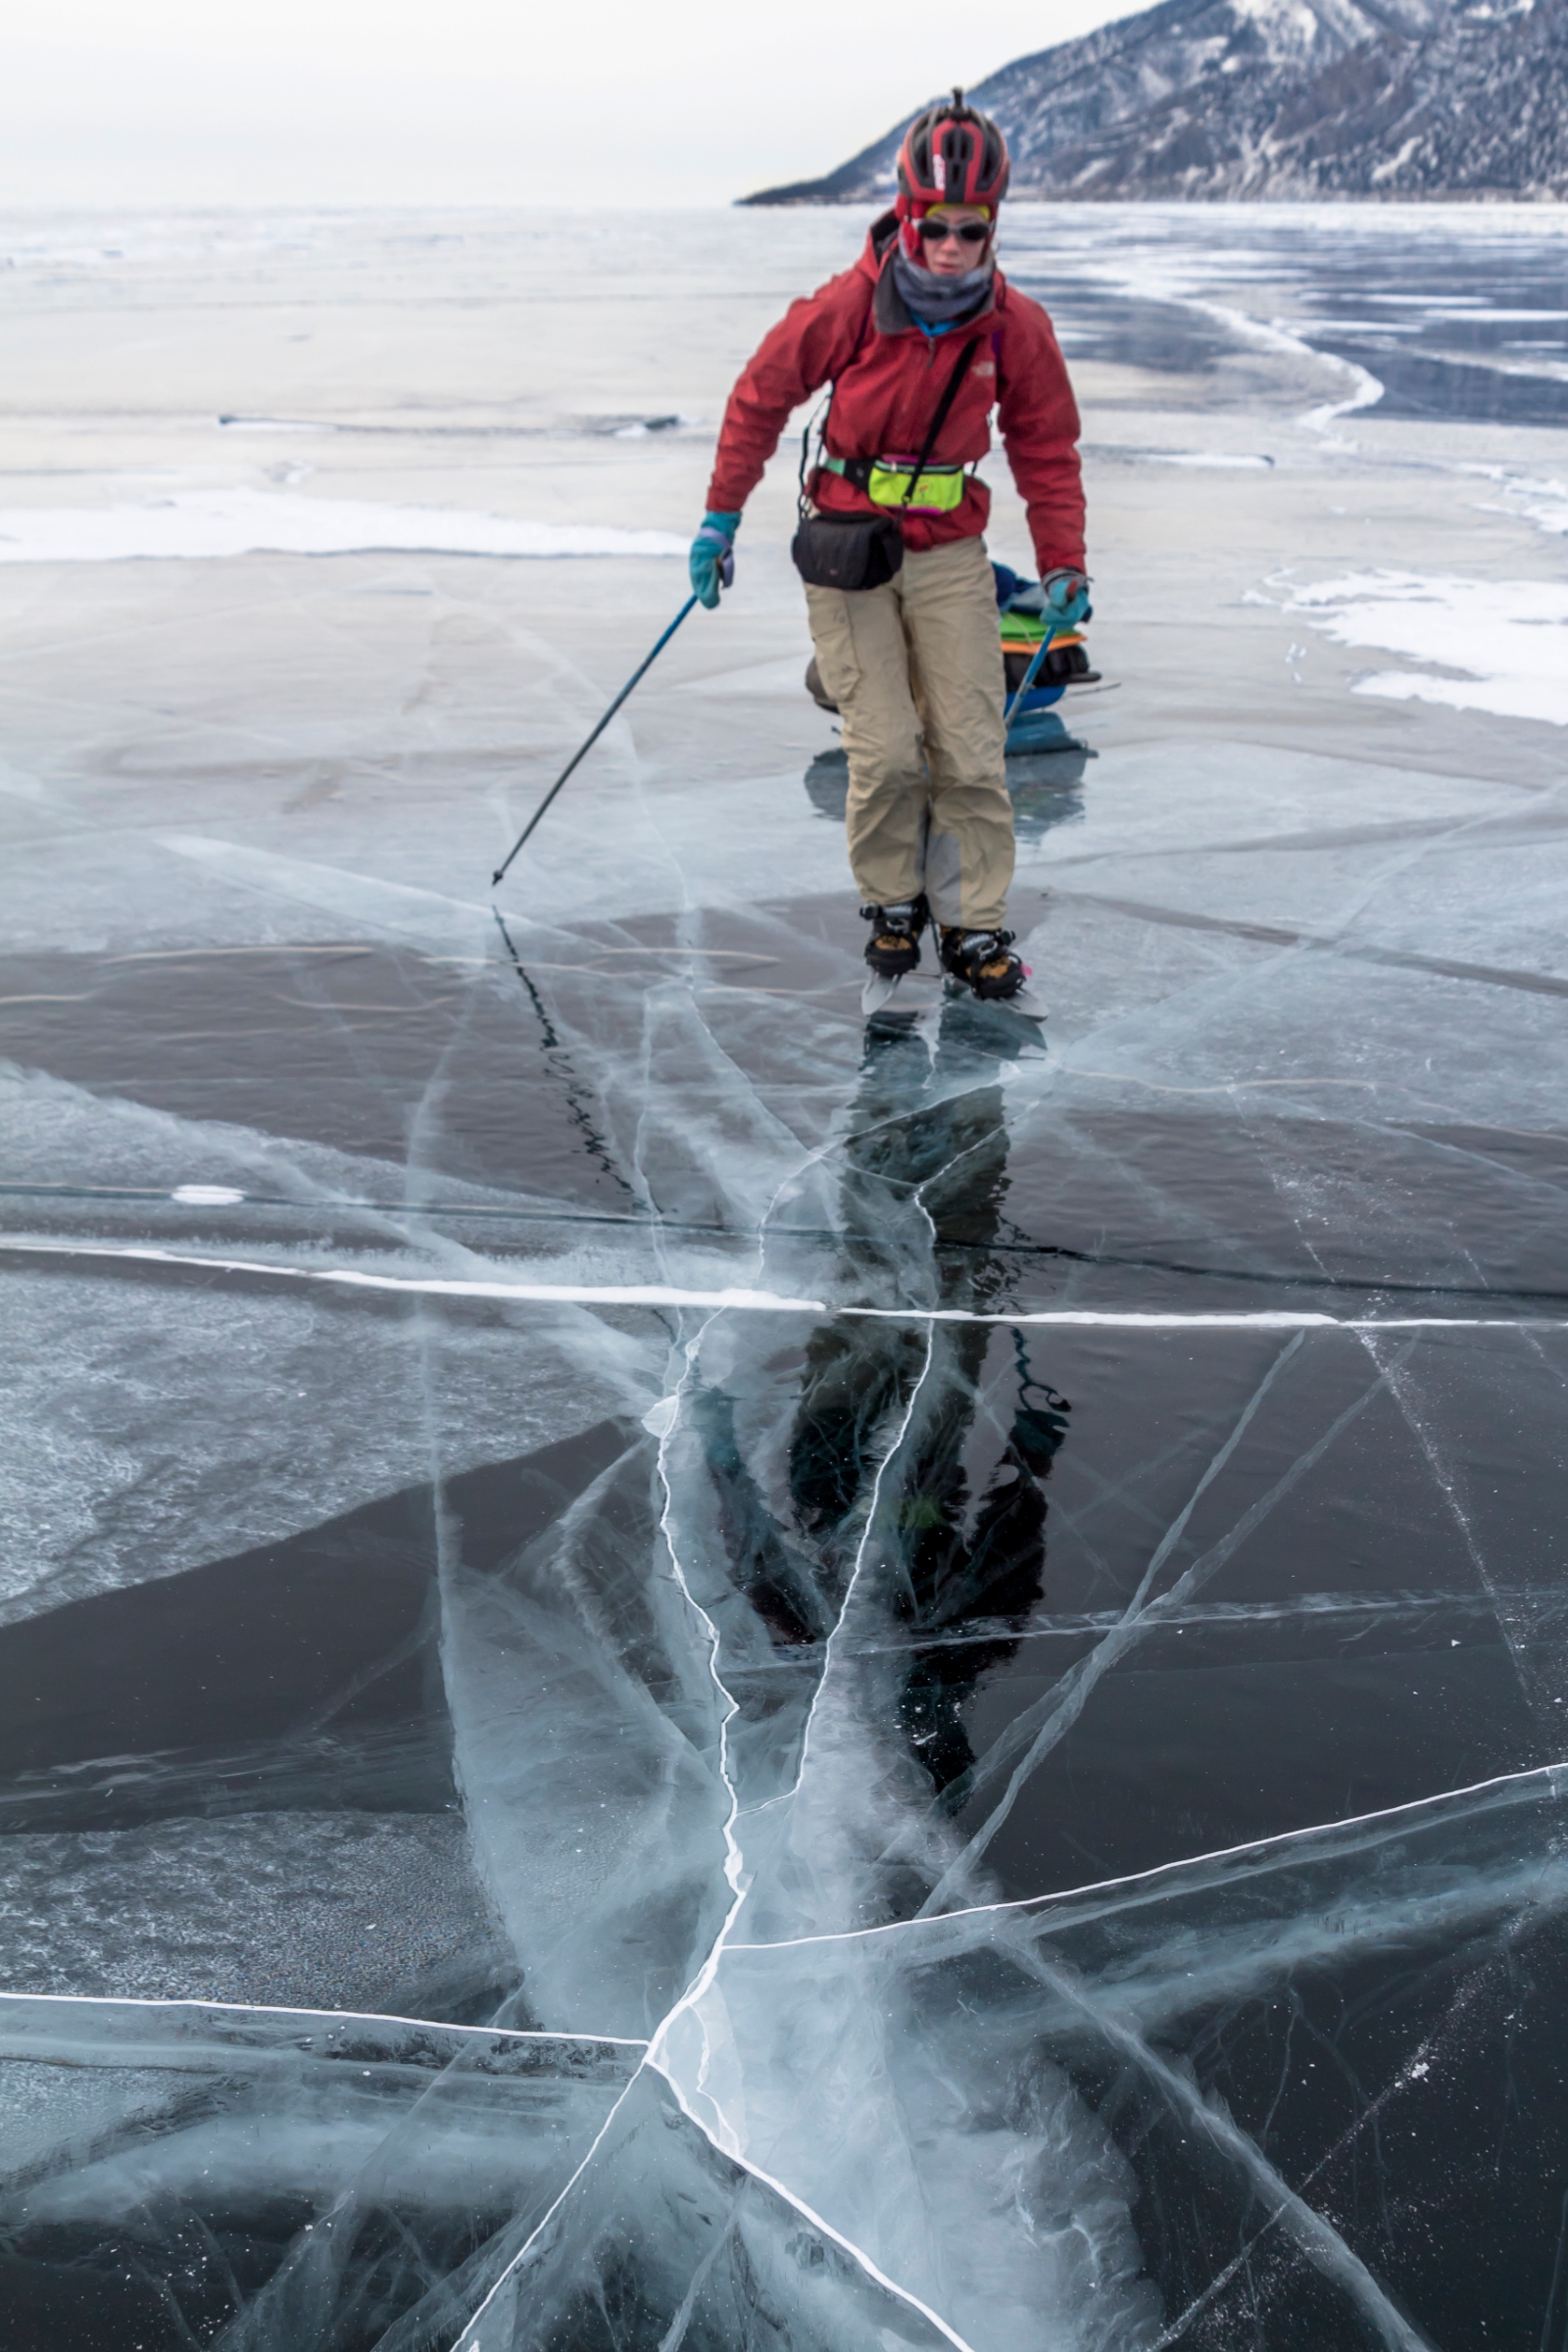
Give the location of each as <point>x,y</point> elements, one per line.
<point>968,1543</point>
<point>949,606</point>
<point>976,1555</point>
<point>856,1373</point>
<point>864,661</point>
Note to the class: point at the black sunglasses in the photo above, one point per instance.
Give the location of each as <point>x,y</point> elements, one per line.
<point>967,232</point>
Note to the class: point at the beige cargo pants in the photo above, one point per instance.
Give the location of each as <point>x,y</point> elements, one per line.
<point>916,669</point>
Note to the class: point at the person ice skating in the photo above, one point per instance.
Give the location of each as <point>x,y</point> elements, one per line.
<point>919,340</point>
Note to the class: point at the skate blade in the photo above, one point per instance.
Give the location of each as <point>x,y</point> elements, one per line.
<point>878,992</point>
<point>1023,1000</point>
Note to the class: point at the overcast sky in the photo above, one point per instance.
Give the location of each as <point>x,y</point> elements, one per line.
<point>473,101</point>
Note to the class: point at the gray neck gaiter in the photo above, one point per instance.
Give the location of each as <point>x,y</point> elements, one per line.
<point>939,301</point>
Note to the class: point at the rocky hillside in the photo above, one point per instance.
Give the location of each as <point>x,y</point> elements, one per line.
<point>1283,98</point>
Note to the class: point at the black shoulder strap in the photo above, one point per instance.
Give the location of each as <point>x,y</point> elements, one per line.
<point>948,396</point>
<point>950,393</point>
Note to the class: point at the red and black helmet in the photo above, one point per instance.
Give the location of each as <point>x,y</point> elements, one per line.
<point>952,155</point>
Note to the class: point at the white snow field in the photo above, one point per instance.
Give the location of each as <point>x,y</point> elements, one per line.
<point>675,1673</point>
<point>198,524</point>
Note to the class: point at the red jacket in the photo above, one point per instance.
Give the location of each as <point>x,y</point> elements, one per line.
<point>855,333</point>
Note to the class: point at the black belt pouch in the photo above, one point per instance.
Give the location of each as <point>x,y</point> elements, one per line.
<point>848,551</point>
<point>864,551</point>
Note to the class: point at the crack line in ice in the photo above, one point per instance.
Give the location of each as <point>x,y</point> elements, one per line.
<point>773,1302</point>
<point>466,2335</point>
<point>872,1507</point>
<point>1072,1693</point>
<point>734,1859</point>
<point>1270,1850</point>
<point>1052,1625</point>
<point>372,2016</point>
<point>1444,1479</point>
<point>809,2213</point>
<point>1018,1244</point>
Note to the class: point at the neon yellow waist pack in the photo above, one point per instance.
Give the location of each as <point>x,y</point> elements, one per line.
<point>886,483</point>
<point>938,490</point>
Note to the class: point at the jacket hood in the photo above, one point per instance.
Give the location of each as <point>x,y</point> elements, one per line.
<point>880,239</point>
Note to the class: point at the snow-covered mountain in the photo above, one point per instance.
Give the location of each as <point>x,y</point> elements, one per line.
<point>1287,98</point>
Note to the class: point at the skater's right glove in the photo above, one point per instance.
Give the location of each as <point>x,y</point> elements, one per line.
<point>712,561</point>
<point>1066,597</point>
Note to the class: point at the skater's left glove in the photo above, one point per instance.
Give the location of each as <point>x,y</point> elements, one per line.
<point>1066,595</point>
<point>712,561</point>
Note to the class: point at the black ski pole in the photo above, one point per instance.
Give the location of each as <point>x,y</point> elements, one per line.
<point>592,740</point>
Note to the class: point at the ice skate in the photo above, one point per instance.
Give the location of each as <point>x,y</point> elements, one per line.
<point>982,965</point>
<point>892,951</point>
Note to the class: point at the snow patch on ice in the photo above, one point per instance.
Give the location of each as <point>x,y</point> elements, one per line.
<point>1201,457</point>
<point>1508,637</point>
<point>206,523</point>
<point>1542,503</point>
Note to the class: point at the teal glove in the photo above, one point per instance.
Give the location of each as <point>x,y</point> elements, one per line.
<point>712,561</point>
<point>1066,598</point>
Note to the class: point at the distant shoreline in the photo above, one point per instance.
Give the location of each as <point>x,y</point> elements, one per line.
<point>787,200</point>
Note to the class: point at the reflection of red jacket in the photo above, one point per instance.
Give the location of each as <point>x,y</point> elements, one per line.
<point>855,333</point>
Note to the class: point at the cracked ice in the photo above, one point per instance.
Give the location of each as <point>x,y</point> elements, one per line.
<point>676,1674</point>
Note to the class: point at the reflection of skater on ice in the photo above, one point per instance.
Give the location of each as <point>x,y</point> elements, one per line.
<point>928,1149</point>
<point>902,600</point>
<point>1046,786</point>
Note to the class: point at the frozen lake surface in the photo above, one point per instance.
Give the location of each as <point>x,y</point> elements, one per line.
<point>673,1673</point>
